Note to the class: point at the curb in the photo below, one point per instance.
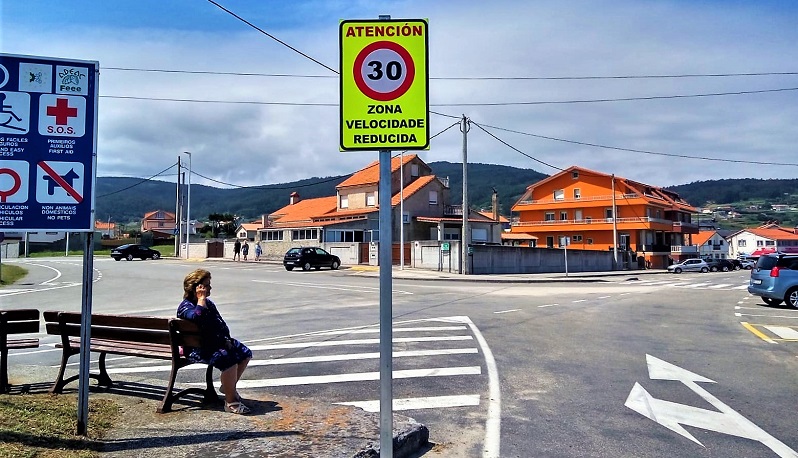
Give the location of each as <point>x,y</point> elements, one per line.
<point>405,443</point>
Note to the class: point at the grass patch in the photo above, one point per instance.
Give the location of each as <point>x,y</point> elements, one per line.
<point>44,426</point>
<point>11,274</point>
<point>166,251</point>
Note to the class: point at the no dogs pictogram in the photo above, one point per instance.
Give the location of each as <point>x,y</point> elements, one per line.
<point>59,182</point>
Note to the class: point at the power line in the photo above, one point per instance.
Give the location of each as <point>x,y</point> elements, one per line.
<point>272,36</point>
<point>140,182</point>
<point>631,150</point>
<point>465,78</point>
<point>239,102</point>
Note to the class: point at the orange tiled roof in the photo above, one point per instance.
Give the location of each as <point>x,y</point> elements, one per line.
<point>412,188</point>
<point>774,233</point>
<point>250,226</point>
<point>702,237</point>
<point>103,225</point>
<point>371,173</point>
<point>167,215</point>
<point>305,210</point>
<point>489,214</point>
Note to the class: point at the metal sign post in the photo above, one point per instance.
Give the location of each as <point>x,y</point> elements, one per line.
<point>384,106</point>
<point>48,142</point>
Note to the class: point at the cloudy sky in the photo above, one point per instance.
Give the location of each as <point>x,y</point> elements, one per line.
<point>517,69</point>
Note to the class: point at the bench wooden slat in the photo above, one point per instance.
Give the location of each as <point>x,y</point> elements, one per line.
<point>117,321</point>
<point>22,343</point>
<point>20,314</point>
<point>119,334</point>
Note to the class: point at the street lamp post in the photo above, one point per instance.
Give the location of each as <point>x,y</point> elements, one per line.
<point>188,203</point>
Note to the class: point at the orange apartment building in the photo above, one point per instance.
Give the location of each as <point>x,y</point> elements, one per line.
<point>590,207</point>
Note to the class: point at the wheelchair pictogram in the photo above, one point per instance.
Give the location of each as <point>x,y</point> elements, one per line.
<point>14,112</point>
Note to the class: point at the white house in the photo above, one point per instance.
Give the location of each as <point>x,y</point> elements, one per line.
<point>769,238</point>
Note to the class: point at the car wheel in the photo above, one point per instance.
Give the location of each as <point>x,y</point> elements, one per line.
<point>725,269</point>
<point>791,298</point>
<point>749,268</point>
<point>704,270</point>
<point>713,269</point>
<point>677,270</point>
<point>771,302</point>
<point>129,257</point>
<point>289,268</point>
<point>737,267</point>
<point>117,259</point>
<point>156,256</point>
<point>334,265</point>
<point>306,266</point>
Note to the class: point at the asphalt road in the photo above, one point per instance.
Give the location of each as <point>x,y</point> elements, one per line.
<point>515,370</point>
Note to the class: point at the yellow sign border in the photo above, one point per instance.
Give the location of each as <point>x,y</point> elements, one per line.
<point>400,124</point>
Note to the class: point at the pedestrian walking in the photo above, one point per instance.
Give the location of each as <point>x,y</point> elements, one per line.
<point>245,250</point>
<point>237,250</point>
<point>258,251</point>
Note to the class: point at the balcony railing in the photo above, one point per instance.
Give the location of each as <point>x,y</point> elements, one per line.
<point>555,222</point>
<point>453,210</point>
<point>686,249</point>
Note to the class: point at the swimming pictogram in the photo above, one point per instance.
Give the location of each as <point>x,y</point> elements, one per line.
<point>10,111</point>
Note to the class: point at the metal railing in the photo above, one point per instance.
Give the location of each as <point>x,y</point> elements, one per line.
<point>644,219</point>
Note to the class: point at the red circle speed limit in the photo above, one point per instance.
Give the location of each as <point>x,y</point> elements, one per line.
<point>384,71</point>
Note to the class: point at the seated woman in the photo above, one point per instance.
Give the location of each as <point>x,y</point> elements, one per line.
<point>219,349</point>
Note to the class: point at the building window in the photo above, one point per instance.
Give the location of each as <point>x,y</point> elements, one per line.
<point>559,194</point>
<point>608,213</point>
<point>406,218</point>
<point>575,174</point>
<point>770,243</point>
<point>577,238</point>
<point>272,236</point>
<point>413,170</point>
<point>305,234</point>
<point>590,241</point>
<point>563,216</point>
<point>344,201</point>
<point>759,243</point>
<point>577,193</point>
<point>741,243</point>
<point>549,216</point>
<point>433,197</point>
<point>371,199</point>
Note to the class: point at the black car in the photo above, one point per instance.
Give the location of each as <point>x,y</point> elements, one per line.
<point>310,258</point>
<point>133,251</point>
<point>724,265</point>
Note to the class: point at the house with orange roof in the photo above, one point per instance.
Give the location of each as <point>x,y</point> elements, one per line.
<point>161,223</point>
<point>711,245</point>
<point>599,211</point>
<point>107,229</point>
<point>352,215</point>
<point>248,231</point>
<point>768,238</point>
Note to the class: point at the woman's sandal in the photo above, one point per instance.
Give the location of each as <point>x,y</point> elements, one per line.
<point>222,390</point>
<point>236,407</point>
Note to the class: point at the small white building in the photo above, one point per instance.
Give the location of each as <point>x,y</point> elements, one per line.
<point>769,238</point>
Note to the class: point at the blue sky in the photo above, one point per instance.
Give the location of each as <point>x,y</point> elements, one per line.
<point>260,144</point>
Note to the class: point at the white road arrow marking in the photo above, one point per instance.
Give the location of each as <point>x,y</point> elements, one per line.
<point>672,415</point>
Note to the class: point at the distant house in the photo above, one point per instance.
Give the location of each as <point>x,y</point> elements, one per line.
<point>107,229</point>
<point>779,207</point>
<point>248,231</point>
<point>592,207</point>
<point>161,223</point>
<point>768,238</point>
<point>352,214</point>
<point>711,245</point>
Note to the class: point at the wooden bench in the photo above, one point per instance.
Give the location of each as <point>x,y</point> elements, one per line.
<point>142,336</point>
<point>19,321</point>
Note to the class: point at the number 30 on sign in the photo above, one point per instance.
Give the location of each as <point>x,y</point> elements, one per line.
<point>384,85</point>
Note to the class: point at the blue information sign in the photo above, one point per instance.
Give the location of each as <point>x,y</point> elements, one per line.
<point>48,143</point>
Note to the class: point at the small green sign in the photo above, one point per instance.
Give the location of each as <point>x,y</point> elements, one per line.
<point>445,246</point>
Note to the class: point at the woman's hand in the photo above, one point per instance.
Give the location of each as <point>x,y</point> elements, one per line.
<point>202,293</point>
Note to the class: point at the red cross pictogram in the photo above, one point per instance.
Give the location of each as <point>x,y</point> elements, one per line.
<point>62,112</point>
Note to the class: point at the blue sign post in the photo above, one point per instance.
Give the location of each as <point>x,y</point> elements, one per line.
<point>48,164</point>
<point>48,143</point>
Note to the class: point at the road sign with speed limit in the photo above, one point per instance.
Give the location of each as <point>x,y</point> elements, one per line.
<point>384,85</point>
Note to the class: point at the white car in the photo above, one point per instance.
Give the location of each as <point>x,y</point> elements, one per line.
<point>689,265</point>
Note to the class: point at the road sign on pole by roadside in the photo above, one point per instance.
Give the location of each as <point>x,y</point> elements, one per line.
<point>48,143</point>
<point>384,85</point>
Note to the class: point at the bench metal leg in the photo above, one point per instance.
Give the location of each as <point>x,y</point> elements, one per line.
<point>208,393</point>
<point>103,379</point>
<point>4,386</point>
<point>59,383</point>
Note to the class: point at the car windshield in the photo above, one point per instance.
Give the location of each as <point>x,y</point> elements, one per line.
<point>122,247</point>
<point>294,251</point>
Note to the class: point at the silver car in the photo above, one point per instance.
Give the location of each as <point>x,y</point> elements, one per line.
<point>689,265</point>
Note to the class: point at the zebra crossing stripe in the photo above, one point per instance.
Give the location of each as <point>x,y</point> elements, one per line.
<point>396,329</point>
<point>355,377</point>
<point>305,360</point>
<point>334,343</point>
<point>784,332</point>
<point>722,285</point>
<point>430,402</point>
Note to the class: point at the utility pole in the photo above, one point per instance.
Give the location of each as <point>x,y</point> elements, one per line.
<point>614,226</point>
<point>188,204</point>
<point>178,232</point>
<point>465,126</point>
<point>402,210</point>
